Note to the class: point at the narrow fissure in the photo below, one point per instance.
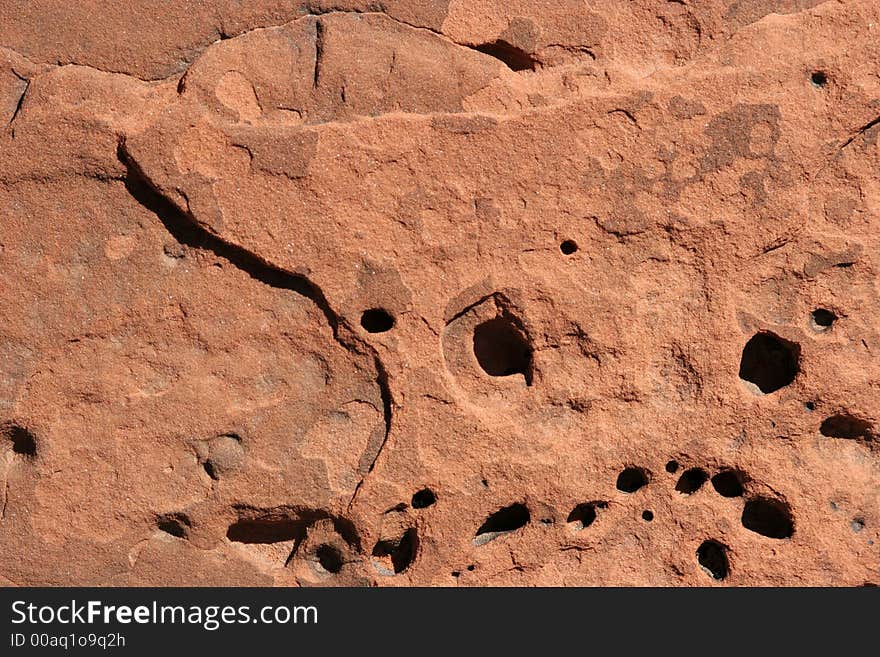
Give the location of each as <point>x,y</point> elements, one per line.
<point>186,231</point>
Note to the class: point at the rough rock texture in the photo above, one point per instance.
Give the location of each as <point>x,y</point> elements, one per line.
<point>440,292</point>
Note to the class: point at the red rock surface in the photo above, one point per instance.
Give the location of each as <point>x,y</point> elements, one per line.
<point>440,293</point>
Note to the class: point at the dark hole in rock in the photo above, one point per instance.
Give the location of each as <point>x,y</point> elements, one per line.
<point>712,556</point>
<point>810,406</point>
<point>516,59</point>
<point>768,517</point>
<point>769,362</point>
<point>822,319</point>
<point>265,530</point>
<point>329,558</point>
<point>583,515</point>
<point>691,481</point>
<point>647,515</point>
<point>22,441</point>
<point>398,554</point>
<point>819,78</point>
<point>845,426</point>
<point>672,467</point>
<point>472,568</point>
<point>506,520</point>
<point>210,470</point>
<point>728,483</point>
<point>631,479</point>
<point>377,320</point>
<point>423,499</point>
<point>501,349</point>
<point>568,247</point>
<point>857,525</point>
<point>176,524</point>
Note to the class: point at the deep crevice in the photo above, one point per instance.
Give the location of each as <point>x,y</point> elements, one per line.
<point>266,530</point>
<point>398,554</point>
<point>20,103</point>
<point>844,425</point>
<point>319,51</point>
<point>329,558</point>
<point>516,59</point>
<point>281,524</point>
<point>186,231</point>
<point>175,524</point>
<point>506,520</point>
<point>860,132</point>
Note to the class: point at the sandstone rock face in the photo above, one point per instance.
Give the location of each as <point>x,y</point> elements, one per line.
<point>440,293</point>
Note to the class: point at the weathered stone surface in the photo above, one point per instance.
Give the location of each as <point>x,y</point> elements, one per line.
<point>440,293</point>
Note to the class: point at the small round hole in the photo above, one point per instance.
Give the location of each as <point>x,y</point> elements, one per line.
<point>631,479</point>
<point>377,320</point>
<point>329,558</point>
<point>728,483</point>
<point>818,79</point>
<point>583,515</point>
<point>823,319</point>
<point>691,481</point>
<point>423,499</point>
<point>712,557</point>
<point>672,467</point>
<point>647,516</point>
<point>810,405</point>
<point>22,441</point>
<point>568,247</point>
